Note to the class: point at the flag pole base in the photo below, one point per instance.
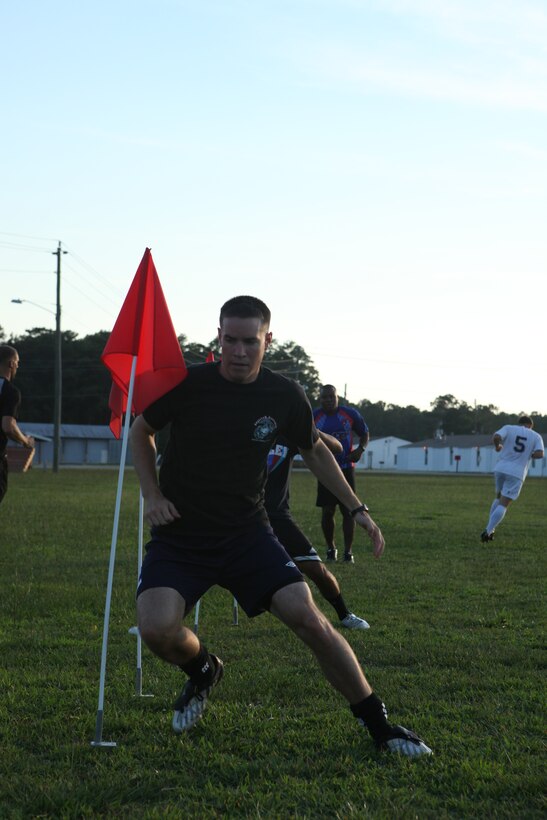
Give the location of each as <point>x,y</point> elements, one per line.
<point>138,685</point>
<point>99,733</point>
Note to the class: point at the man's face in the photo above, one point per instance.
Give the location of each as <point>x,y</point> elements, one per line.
<point>243,343</point>
<point>329,400</point>
<point>13,366</point>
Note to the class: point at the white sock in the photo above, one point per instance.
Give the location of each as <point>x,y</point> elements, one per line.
<point>495,503</point>
<point>496,517</point>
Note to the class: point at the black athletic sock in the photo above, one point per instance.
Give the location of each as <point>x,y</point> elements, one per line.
<point>372,714</point>
<point>201,669</point>
<point>339,606</point>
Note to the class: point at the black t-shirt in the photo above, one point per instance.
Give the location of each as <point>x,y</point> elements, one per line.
<point>214,466</point>
<point>10,399</point>
<point>277,490</point>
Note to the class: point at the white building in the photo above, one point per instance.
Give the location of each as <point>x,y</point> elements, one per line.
<point>456,454</point>
<point>381,454</point>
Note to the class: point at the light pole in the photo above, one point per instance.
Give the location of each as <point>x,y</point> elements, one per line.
<point>58,373</point>
<point>58,367</point>
<point>28,302</point>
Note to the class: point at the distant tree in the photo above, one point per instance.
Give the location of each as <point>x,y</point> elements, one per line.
<point>292,360</point>
<point>85,380</point>
<point>408,423</point>
<point>196,353</point>
<point>86,387</point>
<point>486,418</point>
<point>375,415</point>
<point>452,417</point>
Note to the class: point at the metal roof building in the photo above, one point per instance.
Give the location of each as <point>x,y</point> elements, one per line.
<point>80,444</point>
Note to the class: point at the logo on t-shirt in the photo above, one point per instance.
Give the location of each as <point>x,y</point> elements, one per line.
<point>277,456</point>
<point>264,428</point>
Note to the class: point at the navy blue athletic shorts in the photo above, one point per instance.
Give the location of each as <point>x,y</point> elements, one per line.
<point>293,539</point>
<point>252,565</point>
<point>326,499</point>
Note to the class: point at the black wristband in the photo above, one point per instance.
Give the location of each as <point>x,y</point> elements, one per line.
<point>362,508</point>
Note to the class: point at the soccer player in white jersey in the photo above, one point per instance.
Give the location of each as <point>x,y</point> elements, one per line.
<point>518,444</point>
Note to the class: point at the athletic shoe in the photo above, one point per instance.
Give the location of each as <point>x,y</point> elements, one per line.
<point>404,742</point>
<point>192,701</point>
<point>332,555</point>
<point>351,621</point>
<point>348,558</point>
<point>486,536</point>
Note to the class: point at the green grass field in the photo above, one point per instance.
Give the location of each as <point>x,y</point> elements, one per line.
<point>455,649</point>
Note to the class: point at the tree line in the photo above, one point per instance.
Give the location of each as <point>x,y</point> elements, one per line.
<point>86,387</point>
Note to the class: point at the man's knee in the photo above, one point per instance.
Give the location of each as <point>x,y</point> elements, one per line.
<point>295,607</point>
<point>160,619</point>
<point>158,636</point>
<point>320,575</point>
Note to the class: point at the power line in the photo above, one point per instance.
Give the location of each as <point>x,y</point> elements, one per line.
<point>87,296</point>
<point>15,246</point>
<point>75,256</point>
<point>92,270</point>
<point>25,236</point>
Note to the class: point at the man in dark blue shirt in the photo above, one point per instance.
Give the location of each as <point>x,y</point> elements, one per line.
<point>341,422</point>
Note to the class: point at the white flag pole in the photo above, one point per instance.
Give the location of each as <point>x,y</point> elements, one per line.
<point>134,629</point>
<point>98,741</point>
<point>138,674</point>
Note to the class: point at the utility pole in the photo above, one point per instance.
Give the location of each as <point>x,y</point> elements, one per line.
<point>58,368</point>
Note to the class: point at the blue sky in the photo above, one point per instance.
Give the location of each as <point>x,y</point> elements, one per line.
<point>375,171</point>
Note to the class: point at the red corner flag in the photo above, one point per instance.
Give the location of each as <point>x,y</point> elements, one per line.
<point>143,329</point>
<point>210,357</point>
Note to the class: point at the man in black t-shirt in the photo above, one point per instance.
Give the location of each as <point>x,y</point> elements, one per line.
<point>10,400</point>
<point>209,525</point>
<point>298,546</point>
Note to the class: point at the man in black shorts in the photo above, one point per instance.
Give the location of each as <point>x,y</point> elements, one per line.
<point>209,525</point>
<point>10,400</point>
<point>287,531</point>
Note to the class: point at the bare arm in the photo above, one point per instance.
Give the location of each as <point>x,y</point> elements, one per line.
<point>538,454</point>
<point>323,465</point>
<point>332,443</point>
<point>497,442</point>
<point>12,431</point>
<point>158,509</point>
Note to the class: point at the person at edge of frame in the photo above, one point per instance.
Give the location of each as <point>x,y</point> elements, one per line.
<point>10,402</point>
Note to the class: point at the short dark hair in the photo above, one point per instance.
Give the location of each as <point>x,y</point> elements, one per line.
<point>526,420</point>
<point>7,353</point>
<point>329,387</point>
<point>245,307</point>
